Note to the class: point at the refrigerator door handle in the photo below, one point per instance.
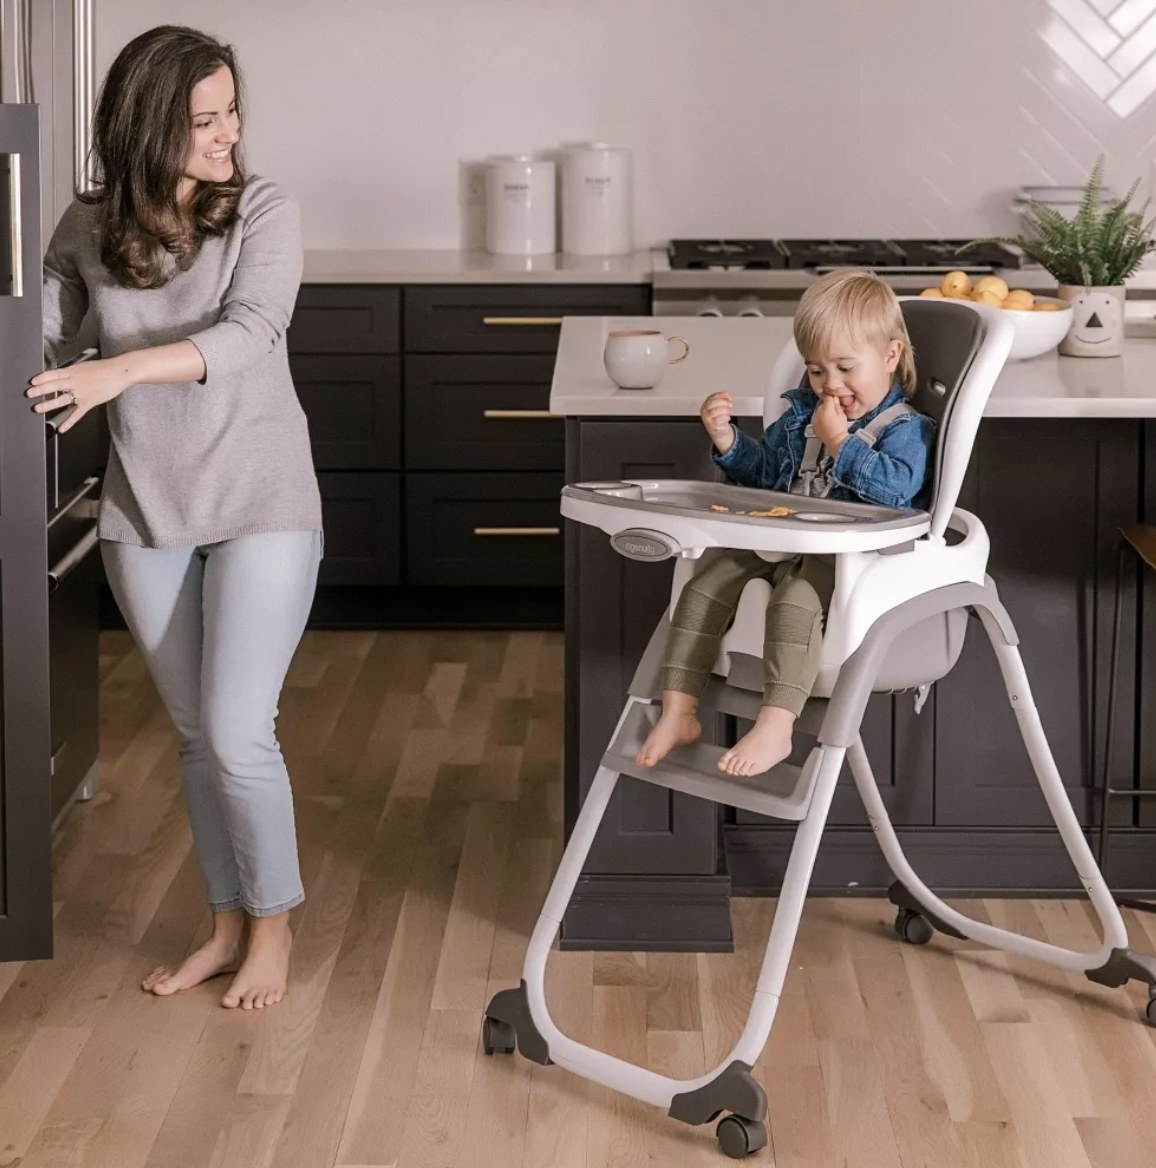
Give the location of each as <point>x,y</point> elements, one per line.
<point>83,91</point>
<point>79,501</point>
<point>15,226</point>
<point>72,558</point>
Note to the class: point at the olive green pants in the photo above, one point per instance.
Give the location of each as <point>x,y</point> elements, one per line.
<point>800,593</point>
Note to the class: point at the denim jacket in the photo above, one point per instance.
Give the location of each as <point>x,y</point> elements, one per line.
<point>893,472</point>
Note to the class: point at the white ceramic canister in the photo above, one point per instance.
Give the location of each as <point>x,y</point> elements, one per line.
<point>520,206</point>
<point>597,200</point>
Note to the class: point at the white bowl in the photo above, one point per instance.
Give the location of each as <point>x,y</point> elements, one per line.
<point>1038,332</point>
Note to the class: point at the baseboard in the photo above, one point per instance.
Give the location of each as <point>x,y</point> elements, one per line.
<point>955,862</point>
<point>675,914</point>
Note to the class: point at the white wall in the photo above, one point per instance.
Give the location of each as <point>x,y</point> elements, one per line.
<point>746,117</point>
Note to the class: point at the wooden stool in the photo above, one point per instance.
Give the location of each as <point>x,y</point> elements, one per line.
<point>1138,539</point>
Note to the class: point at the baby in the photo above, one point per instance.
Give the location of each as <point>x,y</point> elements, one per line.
<point>852,435</point>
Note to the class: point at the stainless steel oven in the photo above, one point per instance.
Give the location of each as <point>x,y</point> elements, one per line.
<point>766,277</point>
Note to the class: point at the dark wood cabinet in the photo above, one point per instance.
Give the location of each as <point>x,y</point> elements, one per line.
<point>439,462</point>
<point>353,404</point>
<point>956,778</point>
<point>1051,493</point>
<point>481,412</point>
<point>1139,658</point>
<point>338,318</point>
<point>362,517</point>
<point>516,318</point>
<point>466,531</point>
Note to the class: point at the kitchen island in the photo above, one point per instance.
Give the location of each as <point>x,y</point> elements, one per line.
<point>1059,465</point>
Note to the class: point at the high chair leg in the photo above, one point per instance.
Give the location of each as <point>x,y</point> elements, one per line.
<point>1113,963</point>
<point>521,1015</point>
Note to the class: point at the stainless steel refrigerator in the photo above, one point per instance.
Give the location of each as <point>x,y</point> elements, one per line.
<point>49,576</point>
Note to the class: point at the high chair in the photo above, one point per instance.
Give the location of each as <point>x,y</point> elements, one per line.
<point>905,584</point>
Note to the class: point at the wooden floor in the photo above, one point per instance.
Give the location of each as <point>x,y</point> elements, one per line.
<point>426,768</point>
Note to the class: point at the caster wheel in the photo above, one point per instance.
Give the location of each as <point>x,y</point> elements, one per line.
<point>740,1137</point>
<point>913,928</point>
<point>1150,1009</point>
<point>497,1037</point>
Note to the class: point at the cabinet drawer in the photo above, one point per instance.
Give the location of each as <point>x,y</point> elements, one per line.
<point>354,409</point>
<point>481,413</point>
<point>360,318</point>
<point>509,318</point>
<point>484,529</point>
<point>362,517</point>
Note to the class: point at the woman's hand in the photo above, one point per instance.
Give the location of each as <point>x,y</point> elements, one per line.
<point>716,413</point>
<point>79,387</point>
<point>830,423</point>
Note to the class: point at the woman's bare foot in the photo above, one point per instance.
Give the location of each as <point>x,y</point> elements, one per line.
<point>221,953</point>
<point>678,726</point>
<point>767,743</point>
<point>263,978</point>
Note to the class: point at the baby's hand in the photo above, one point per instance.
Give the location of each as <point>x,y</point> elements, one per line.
<point>830,423</point>
<point>716,413</point>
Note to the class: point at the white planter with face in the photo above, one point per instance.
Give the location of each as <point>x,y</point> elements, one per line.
<point>1097,328</point>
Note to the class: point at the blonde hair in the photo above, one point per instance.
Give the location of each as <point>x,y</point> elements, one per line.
<point>849,304</point>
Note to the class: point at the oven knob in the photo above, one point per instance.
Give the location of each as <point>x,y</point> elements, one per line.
<point>710,308</point>
<point>750,308</point>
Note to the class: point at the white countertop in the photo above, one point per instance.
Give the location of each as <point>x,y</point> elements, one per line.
<point>645,266</point>
<point>737,354</point>
<point>472,267</point>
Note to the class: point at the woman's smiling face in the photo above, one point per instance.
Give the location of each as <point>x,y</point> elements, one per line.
<point>216,130</point>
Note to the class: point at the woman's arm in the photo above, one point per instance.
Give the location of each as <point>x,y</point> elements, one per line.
<point>64,296</point>
<point>256,311</point>
<point>91,383</point>
<point>263,291</point>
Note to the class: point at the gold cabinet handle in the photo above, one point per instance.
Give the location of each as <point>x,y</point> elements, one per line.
<point>517,531</point>
<point>502,321</point>
<point>518,415</point>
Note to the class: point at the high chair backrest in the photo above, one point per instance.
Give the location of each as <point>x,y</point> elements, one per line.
<point>959,350</point>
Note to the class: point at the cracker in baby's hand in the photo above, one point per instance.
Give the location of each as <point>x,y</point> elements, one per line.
<point>719,507</point>
<point>774,513</point>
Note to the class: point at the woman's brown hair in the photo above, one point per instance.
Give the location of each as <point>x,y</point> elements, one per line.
<point>140,144</point>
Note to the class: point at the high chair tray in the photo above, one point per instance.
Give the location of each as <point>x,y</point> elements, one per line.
<point>650,519</point>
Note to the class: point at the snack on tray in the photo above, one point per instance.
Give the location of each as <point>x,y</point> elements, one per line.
<point>718,507</point>
<point>774,513</point>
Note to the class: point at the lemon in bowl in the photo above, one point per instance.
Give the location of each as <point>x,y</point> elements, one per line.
<point>1039,329</point>
<point>1040,322</point>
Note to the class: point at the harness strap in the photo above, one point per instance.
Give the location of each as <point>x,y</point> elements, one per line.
<point>817,486</point>
<point>870,433</point>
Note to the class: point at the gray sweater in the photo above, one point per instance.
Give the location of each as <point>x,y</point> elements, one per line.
<point>197,462</point>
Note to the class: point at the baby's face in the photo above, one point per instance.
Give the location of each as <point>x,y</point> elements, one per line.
<point>855,372</point>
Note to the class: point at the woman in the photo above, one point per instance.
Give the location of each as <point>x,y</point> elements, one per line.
<point>210,519</point>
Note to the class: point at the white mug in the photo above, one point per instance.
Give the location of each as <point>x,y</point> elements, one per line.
<point>636,358</point>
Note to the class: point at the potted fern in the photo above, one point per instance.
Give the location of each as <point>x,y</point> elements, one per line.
<point>1090,255</point>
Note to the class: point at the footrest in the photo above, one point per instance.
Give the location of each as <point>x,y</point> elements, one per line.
<point>784,792</point>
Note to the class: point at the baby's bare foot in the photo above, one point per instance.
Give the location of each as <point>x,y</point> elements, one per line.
<point>263,978</point>
<point>671,730</point>
<point>221,953</point>
<point>767,744</point>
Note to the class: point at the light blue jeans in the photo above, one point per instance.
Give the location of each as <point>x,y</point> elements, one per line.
<point>218,626</point>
